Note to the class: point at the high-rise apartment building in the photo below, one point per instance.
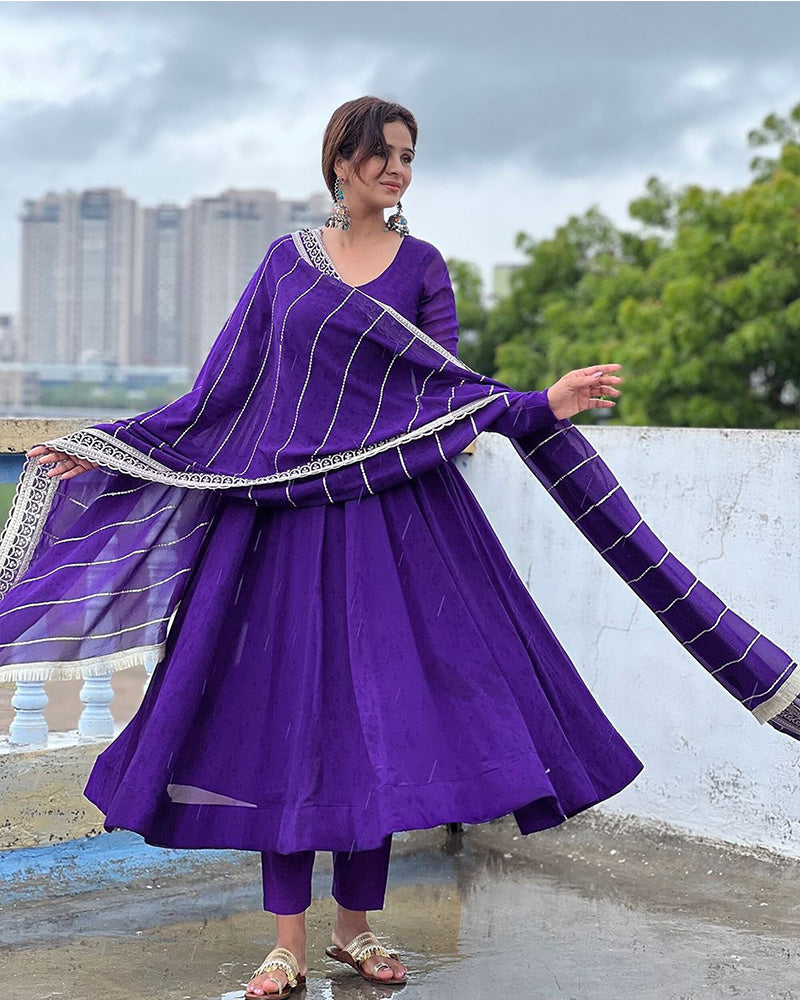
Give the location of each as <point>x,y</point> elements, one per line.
<point>80,263</point>
<point>226,237</point>
<point>47,278</point>
<point>159,340</point>
<point>297,214</point>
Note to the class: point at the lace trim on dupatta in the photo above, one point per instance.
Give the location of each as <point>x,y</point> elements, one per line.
<point>35,491</point>
<point>106,450</point>
<point>32,500</point>
<point>783,700</point>
<point>308,243</point>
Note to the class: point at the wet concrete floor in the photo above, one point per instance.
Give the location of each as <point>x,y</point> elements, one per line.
<point>597,909</point>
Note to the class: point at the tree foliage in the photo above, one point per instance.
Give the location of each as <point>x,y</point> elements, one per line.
<point>473,346</point>
<point>701,305</point>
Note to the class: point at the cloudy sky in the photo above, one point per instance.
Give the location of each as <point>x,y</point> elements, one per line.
<point>528,112</point>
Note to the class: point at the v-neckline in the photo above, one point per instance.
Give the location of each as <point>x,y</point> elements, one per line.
<point>317,233</point>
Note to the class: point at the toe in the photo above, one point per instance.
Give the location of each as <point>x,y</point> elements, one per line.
<point>398,969</point>
<point>263,987</point>
<point>377,966</point>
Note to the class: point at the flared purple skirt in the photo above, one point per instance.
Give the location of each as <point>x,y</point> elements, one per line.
<point>337,673</point>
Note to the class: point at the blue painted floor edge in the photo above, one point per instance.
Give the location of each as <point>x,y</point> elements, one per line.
<point>110,860</point>
<point>92,863</point>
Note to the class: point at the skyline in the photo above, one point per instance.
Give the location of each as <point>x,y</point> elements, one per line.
<point>573,105</point>
<point>105,278</point>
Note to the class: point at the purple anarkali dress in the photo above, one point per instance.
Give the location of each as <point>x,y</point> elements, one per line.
<point>356,668</point>
<point>341,647</point>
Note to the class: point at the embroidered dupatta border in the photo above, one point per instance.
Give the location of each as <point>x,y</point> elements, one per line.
<point>30,506</point>
<point>29,509</point>
<point>104,449</point>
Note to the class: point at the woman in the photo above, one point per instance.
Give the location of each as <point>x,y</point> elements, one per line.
<point>364,638</point>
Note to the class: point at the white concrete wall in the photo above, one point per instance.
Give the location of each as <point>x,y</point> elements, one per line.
<point>727,503</point>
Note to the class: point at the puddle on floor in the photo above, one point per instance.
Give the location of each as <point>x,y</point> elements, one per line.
<point>558,918</point>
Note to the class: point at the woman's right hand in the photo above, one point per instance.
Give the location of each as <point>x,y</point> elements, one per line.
<point>70,465</point>
<point>583,389</point>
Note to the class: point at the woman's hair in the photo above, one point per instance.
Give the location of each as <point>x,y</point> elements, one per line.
<point>355,132</point>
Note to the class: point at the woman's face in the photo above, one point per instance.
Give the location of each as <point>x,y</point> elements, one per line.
<point>380,185</point>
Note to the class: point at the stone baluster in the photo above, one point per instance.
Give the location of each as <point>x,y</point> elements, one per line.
<point>29,727</point>
<point>96,719</point>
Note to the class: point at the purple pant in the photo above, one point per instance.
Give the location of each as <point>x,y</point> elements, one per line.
<point>359,879</point>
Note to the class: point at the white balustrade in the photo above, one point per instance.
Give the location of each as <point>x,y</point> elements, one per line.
<point>29,727</point>
<point>96,719</point>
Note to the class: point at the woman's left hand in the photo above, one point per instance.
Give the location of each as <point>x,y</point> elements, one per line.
<point>584,389</point>
<point>64,466</point>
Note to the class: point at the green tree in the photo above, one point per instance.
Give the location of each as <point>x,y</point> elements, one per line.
<point>701,306</point>
<point>774,131</point>
<point>563,310</point>
<point>472,315</point>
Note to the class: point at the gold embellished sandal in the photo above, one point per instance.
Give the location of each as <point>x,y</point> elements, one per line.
<point>362,947</point>
<point>279,959</point>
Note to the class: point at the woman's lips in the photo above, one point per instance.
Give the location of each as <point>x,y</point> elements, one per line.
<point>392,187</point>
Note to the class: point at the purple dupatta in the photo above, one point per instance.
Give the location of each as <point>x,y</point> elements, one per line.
<point>313,393</point>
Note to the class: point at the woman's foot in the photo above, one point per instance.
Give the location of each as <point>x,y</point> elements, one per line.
<point>349,924</point>
<point>292,936</point>
<point>275,981</point>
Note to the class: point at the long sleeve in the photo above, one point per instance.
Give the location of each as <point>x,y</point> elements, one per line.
<point>437,305</point>
<point>527,411</point>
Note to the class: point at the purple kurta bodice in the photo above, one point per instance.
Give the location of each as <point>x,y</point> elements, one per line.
<point>417,284</point>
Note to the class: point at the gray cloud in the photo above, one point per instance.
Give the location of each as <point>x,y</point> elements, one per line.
<point>567,87</point>
<point>62,134</point>
<point>583,92</point>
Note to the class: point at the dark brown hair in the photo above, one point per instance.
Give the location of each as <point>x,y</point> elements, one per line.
<point>355,132</point>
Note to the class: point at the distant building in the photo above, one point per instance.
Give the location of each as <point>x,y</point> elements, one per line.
<point>107,282</point>
<point>297,214</point>
<point>45,314</point>
<point>9,344</point>
<point>79,261</point>
<point>19,387</point>
<point>501,280</point>
<point>226,236</point>
<point>160,339</point>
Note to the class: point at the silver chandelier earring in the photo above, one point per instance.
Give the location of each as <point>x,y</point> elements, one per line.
<point>340,216</point>
<point>397,222</point>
